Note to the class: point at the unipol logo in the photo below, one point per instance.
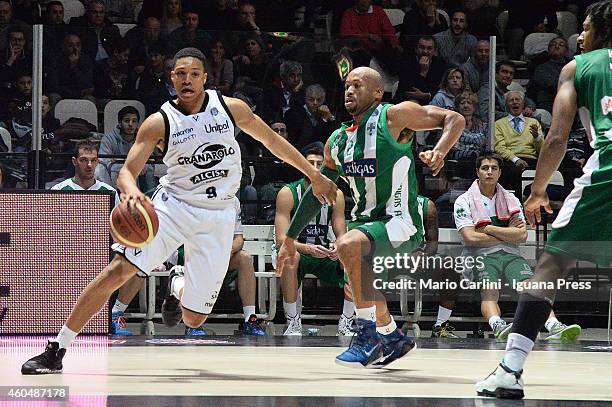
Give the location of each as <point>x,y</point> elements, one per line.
<point>207,155</point>
<point>606,105</point>
<point>367,167</point>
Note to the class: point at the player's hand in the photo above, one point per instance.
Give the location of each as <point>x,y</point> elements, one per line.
<point>324,189</point>
<point>516,222</point>
<point>533,205</point>
<point>522,164</point>
<point>433,159</point>
<point>287,256</point>
<point>333,252</point>
<point>134,195</point>
<point>317,251</point>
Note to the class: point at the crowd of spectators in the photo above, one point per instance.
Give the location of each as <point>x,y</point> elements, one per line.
<point>276,56</point>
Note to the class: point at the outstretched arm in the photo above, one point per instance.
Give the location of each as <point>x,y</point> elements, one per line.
<point>324,189</point>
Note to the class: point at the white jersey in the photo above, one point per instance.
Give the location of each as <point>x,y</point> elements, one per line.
<point>201,153</point>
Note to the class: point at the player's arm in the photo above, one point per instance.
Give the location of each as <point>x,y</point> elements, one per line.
<point>477,239</point>
<point>555,144</point>
<point>338,221</point>
<point>511,234</point>
<point>150,134</point>
<point>282,219</point>
<point>413,116</point>
<point>237,243</point>
<point>324,189</point>
<point>431,229</point>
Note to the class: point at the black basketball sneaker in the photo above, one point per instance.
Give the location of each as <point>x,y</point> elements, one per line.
<point>172,313</point>
<point>48,362</point>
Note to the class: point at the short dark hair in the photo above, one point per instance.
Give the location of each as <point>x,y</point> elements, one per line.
<point>314,148</point>
<point>505,62</point>
<point>85,144</point>
<point>601,18</point>
<point>189,52</point>
<point>489,155</point>
<point>427,38</point>
<point>127,110</point>
<point>53,3</point>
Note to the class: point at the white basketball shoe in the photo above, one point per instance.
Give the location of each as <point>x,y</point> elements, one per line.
<point>503,383</point>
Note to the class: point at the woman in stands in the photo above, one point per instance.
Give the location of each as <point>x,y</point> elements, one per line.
<point>454,83</point>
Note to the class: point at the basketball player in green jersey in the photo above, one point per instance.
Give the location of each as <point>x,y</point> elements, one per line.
<point>585,85</point>
<point>374,153</point>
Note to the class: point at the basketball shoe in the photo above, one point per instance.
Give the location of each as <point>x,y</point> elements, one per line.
<point>395,346</point>
<point>252,327</point>
<point>443,331</point>
<point>501,330</point>
<point>195,331</point>
<point>118,324</point>
<point>564,333</point>
<point>50,361</point>
<point>503,383</point>
<point>171,307</point>
<point>294,326</point>
<point>366,346</point>
<point>344,326</point>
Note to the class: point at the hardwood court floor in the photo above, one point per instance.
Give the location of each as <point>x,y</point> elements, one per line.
<point>226,366</point>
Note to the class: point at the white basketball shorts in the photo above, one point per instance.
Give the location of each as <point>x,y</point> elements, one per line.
<point>207,234</point>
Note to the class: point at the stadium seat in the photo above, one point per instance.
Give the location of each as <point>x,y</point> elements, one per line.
<point>396,16</point>
<point>124,27</point>
<point>502,22</point>
<point>112,108</point>
<point>572,43</point>
<point>84,109</point>
<point>72,8</point>
<point>6,138</point>
<point>445,15</point>
<point>390,86</point>
<point>529,175</point>
<point>536,43</point>
<point>567,23</point>
<point>544,116</point>
<point>137,8</point>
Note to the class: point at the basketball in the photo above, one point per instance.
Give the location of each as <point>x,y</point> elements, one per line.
<point>134,225</point>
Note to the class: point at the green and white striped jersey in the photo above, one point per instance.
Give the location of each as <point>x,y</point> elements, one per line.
<point>70,185</point>
<point>317,230</point>
<point>380,171</point>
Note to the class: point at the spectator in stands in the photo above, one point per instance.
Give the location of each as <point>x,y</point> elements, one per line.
<point>491,223</point>
<point>14,60</point>
<point>543,84</point>
<point>27,11</point>
<point>156,93</point>
<point>455,44</point>
<point>220,69</point>
<point>477,67</point>
<point>111,74</point>
<point>96,31</point>
<point>474,139</point>
<point>172,17</point>
<point>454,83</point>
<point>317,255</point>
<point>120,11</point>
<point>504,74</point>
<point>245,25</point>
<point>251,63</point>
<point>19,123</point>
<point>371,29</point>
<point>7,20</point>
<point>279,15</point>
<point>421,74</point>
<point>189,35</point>
<point>140,40</point>
<point>54,29</point>
<point>276,100</point>
<point>118,142</point>
<point>140,84</point>
<point>311,122</point>
<point>526,17</point>
<point>518,140</point>
<point>482,16</point>
<point>422,19</point>
<point>218,16</point>
<point>53,141</point>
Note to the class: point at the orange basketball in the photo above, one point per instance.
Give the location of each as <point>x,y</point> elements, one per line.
<point>134,225</point>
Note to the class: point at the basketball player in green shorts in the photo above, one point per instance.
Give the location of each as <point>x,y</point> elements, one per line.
<point>585,85</point>
<point>374,153</point>
<point>318,255</point>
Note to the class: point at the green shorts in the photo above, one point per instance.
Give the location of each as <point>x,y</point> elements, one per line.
<point>326,270</point>
<point>514,268</point>
<point>583,230</point>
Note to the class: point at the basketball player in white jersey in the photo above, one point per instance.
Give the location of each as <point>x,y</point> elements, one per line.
<point>195,202</point>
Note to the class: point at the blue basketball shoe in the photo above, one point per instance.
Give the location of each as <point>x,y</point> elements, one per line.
<point>118,324</point>
<point>366,346</point>
<point>395,346</point>
<point>195,331</point>
<point>252,327</point>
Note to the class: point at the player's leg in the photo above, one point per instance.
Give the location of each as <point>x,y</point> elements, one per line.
<point>89,303</point>
<point>558,331</point>
<point>242,261</point>
<point>490,311</point>
<point>126,294</point>
<point>442,327</point>
<point>347,319</point>
<point>289,288</point>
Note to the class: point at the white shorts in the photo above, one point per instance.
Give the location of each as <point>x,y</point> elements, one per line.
<point>207,235</point>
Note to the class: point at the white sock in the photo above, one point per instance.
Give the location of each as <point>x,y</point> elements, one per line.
<point>494,320</point>
<point>290,309</point>
<point>387,329</point>
<point>443,315</point>
<point>248,311</point>
<point>517,350</point>
<point>65,336</point>
<point>348,309</point>
<point>550,323</point>
<point>369,314</point>
<point>119,306</point>
<point>178,283</point>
